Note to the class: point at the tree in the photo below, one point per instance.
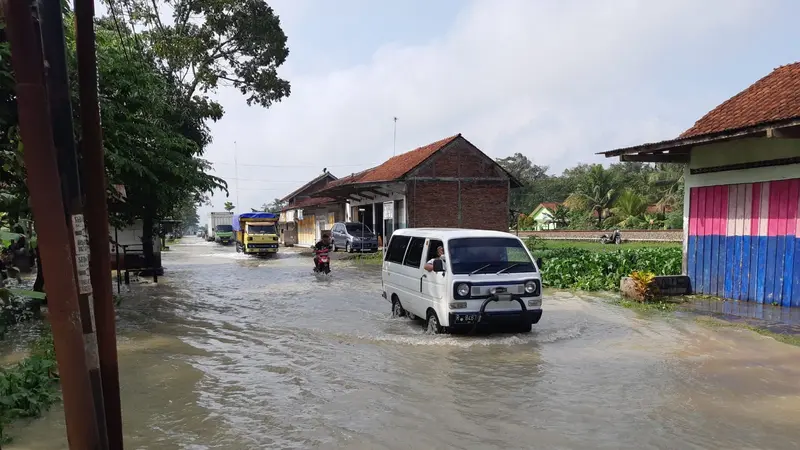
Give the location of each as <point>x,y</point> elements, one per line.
<point>229,206</point>
<point>528,196</point>
<point>209,42</point>
<point>561,216</point>
<point>668,181</point>
<point>599,190</point>
<point>276,206</point>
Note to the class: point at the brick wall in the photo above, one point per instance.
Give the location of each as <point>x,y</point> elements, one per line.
<point>483,204</point>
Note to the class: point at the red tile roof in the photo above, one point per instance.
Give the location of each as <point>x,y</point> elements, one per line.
<point>395,167</point>
<point>550,205</point>
<point>774,97</point>
<point>309,202</point>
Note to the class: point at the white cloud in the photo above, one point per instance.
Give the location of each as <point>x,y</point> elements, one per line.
<point>557,81</point>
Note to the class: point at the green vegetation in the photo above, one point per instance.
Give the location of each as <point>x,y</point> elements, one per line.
<point>650,307</point>
<point>626,195</point>
<point>537,245</point>
<point>581,268</point>
<point>15,309</point>
<point>30,387</point>
<point>366,258</point>
<point>710,322</point>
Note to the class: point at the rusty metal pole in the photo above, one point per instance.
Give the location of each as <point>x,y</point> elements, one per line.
<point>97,217</point>
<point>54,237</point>
<point>54,46</point>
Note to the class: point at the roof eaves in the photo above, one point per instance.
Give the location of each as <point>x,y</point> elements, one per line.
<point>301,188</point>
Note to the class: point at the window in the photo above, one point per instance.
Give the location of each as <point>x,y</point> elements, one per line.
<point>355,229</point>
<point>224,228</point>
<point>397,249</point>
<point>432,249</point>
<point>414,253</point>
<point>261,229</point>
<point>489,255</point>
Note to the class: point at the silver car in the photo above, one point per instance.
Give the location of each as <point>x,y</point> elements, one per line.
<point>353,236</point>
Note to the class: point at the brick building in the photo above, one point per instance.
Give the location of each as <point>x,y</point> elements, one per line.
<point>742,192</point>
<point>304,217</point>
<point>449,183</point>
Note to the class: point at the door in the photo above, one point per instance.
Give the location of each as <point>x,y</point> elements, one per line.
<point>413,276</point>
<point>433,284</point>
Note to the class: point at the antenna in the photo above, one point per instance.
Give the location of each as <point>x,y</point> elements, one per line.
<point>236,173</point>
<point>394,143</point>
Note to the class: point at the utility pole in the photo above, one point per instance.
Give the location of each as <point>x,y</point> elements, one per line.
<point>94,177</point>
<point>394,141</point>
<point>58,262</point>
<point>236,173</point>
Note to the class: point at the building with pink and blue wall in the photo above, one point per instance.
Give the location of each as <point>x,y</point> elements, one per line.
<point>742,192</point>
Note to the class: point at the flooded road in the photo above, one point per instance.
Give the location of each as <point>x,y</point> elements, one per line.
<point>228,352</point>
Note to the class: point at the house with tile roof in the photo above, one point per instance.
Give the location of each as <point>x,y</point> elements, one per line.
<point>542,216</point>
<point>305,217</point>
<point>448,183</point>
<point>742,184</point>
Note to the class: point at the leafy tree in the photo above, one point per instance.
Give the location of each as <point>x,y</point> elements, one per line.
<point>229,206</point>
<point>599,190</point>
<point>561,216</point>
<point>274,207</point>
<point>668,181</point>
<point>204,43</point>
<point>630,204</point>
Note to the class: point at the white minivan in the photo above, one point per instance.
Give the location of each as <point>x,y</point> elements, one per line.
<point>483,279</point>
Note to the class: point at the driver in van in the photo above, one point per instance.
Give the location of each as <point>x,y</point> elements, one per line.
<point>439,255</point>
<point>322,244</point>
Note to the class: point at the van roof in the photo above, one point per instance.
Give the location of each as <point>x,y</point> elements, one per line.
<point>450,233</point>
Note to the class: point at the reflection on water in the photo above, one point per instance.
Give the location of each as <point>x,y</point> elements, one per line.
<point>233,352</point>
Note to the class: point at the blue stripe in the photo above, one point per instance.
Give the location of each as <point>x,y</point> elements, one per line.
<point>698,267</point>
<point>796,274</point>
<point>788,271</point>
<point>761,286</point>
<point>691,262</point>
<point>769,284</point>
<point>714,271</point>
<point>707,264</point>
<point>729,246</point>
<point>780,254</point>
<point>746,274</point>
<point>753,265</point>
<point>721,257</point>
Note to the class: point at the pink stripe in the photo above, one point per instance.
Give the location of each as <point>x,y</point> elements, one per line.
<point>755,209</point>
<point>797,217</point>
<point>748,209</point>
<point>774,199</point>
<point>723,210</point>
<point>701,212</point>
<point>783,206</point>
<point>715,208</point>
<point>709,215</point>
<point>741,192</point>
<point>763,215</point>
<point>693,199</point>
<point>730,223</point>
<point>791,211</point>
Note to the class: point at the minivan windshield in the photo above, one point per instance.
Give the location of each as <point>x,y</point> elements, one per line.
<point>482,255</point>
<point>224,228</point>
<point>356,229</point>
<point>261,229</point>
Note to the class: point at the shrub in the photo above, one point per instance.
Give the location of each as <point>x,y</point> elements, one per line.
<point>575,268</point>
<point>643,284</point>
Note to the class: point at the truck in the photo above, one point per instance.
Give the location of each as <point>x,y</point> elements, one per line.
<point>256,233</point>
<point>220,229</point>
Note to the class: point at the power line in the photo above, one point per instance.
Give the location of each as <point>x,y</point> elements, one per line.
<point>298,166</point>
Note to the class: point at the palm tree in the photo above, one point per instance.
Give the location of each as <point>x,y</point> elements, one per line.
<point>668,183</point>
<point>598,190</point>
<point>630,204</point>
<point>561,216</point>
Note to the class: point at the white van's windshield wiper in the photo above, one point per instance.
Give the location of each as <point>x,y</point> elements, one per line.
<point>506,268</point>
<point>479,269</point>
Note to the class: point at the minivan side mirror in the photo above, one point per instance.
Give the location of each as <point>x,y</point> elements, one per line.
<point>438,265</point>
<point>539,263</point>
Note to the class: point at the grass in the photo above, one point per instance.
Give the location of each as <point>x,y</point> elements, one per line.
<point>551,244</point>
<point>713,323</point>
<point>654,307</point>
<point>30,387</point>
<point>366,258</point>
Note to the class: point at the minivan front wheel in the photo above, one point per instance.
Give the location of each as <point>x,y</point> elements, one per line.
<point>397,309</point>
<point>433,323</point>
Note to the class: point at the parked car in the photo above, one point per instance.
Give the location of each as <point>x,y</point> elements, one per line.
<point>353,236</point>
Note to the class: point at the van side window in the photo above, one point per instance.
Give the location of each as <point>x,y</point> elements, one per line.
<point>414,254</point>
<point>432,249</point>
<point>397,249</point>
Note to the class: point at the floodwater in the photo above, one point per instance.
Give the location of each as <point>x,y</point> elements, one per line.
<point>229,352</point>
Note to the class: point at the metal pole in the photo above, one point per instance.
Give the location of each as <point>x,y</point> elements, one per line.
<point>394,142</point>
<point>116,243</point>
<point>58,264</point>
<point>236,173</point>
<point>52,32</point>
<point>97,218</point>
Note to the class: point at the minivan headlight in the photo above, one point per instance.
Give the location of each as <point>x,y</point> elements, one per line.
<point>530,287</point>
<point>462,290</point>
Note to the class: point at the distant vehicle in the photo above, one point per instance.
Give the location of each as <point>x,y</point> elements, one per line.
<point>353,236</point>
<point>324,264</point>
<point>484,279</point>
<point>614,238</point>
<point>217,220</point>
<point>256,233</point>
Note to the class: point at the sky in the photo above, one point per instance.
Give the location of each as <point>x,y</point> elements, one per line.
<point>555,80</point>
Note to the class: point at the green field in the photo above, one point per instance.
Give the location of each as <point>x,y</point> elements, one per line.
<point>598,247</point>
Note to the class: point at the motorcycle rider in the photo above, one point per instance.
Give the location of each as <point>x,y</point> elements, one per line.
<point>322,245</point>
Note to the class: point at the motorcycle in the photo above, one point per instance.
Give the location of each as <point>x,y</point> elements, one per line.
<point>614,238</point>
<point>323,262</point>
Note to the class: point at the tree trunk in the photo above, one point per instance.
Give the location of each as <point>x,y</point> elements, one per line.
<point>38,285</point>
<point>147,241</point>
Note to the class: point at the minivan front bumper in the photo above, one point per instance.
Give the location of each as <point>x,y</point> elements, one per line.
<point>482,320</point>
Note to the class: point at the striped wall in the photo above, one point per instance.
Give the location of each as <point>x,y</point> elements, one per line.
<point>744,241</point>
